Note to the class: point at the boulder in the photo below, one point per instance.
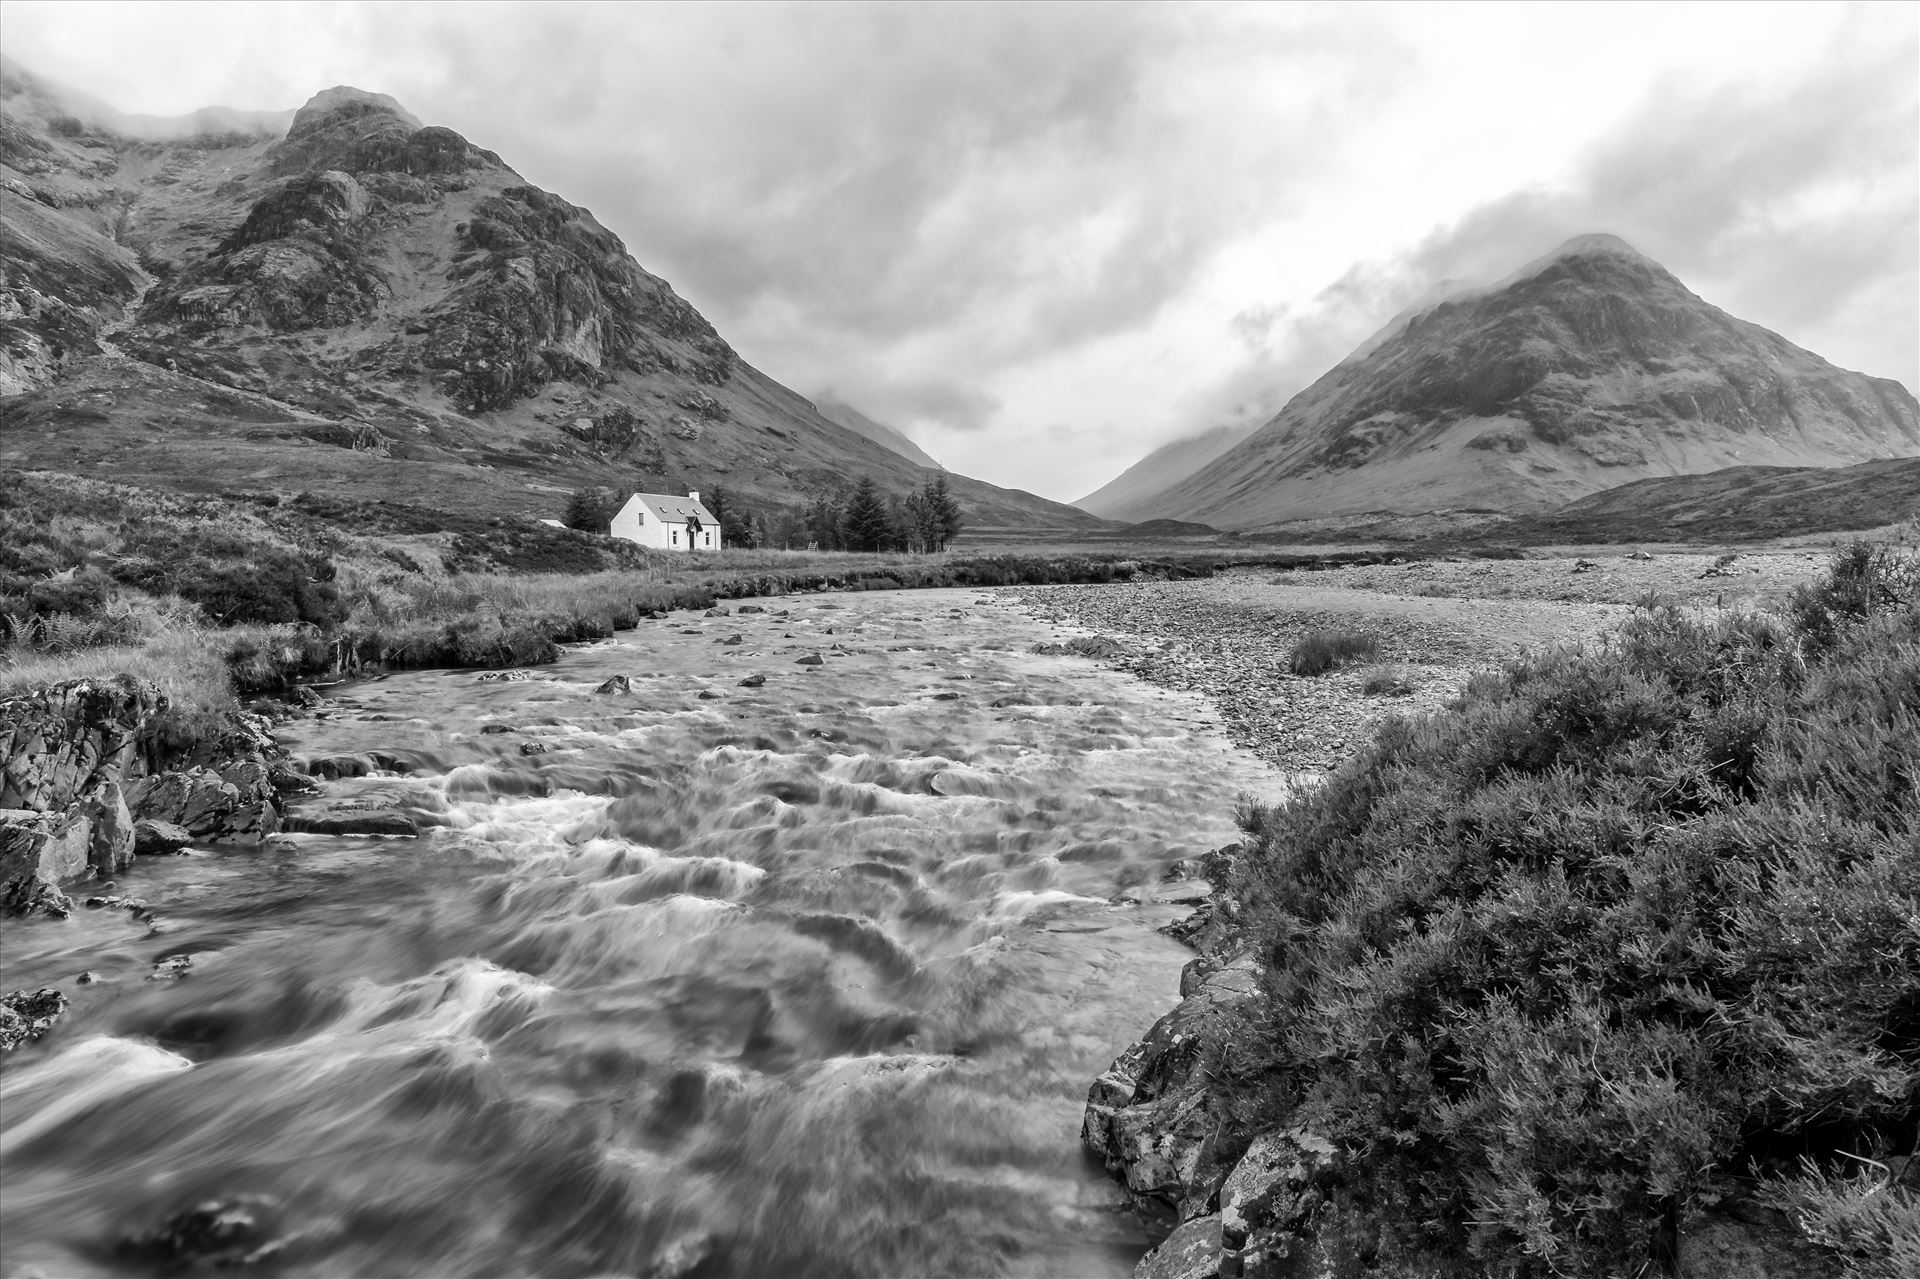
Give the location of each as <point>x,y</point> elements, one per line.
<point>811,659</point>
<point>27,1015</point>
<point>39,852</point>
<point>1153,1120</point>
<point>615,684</point>
<point>238,803</point>
<point>110,843</point>
<point>1270,1203</point>
<point>333,767</point>
<point>59,744</point>
<point>287,782</point>
<point>1190,1252</point>
<point>753,681</point>
<point>159,839</point>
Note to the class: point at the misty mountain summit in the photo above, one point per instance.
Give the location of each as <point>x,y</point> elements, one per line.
<point>1587,368</point>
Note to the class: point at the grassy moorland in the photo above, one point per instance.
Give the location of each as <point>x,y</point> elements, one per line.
<point>215,596</point>
<point>1629,931</point>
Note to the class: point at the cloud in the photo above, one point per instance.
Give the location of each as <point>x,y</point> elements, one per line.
<point>997,183</point>
<point>958,406</point>
<point>1794,203</point>
<point>1130,219</point>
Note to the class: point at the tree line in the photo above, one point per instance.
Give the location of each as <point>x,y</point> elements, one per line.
<point>859,518</point>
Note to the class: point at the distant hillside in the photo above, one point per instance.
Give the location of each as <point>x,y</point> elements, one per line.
<point>837,410</point>
<point>1740,503</point>
<point>1162,468</point>
<point>343,301</point>
<point>1588,368</point>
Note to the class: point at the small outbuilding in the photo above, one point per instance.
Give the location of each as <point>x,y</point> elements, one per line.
<point>670,523</point>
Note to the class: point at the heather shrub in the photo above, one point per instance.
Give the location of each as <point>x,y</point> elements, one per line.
<point>1385,681</point>
<point>1866,1220</point>
<point>1320,651</point>
<point>1561,967</point>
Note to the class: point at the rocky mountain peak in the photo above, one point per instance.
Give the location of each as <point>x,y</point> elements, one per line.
<point>345,100</point>
<point>1597,244</point>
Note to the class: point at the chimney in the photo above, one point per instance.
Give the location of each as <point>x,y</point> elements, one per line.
<point>693,495</point>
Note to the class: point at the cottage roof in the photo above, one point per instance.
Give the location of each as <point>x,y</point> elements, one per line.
<point>669,509</point>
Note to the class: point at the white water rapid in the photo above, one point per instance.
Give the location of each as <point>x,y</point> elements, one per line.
<point>803,979</point>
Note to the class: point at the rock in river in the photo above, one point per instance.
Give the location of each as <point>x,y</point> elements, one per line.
<point>26,1015</point>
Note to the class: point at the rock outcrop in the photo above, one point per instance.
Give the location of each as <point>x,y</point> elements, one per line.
<point>93,772</point>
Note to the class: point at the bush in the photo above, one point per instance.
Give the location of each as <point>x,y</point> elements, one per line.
<point>1865,1220</point>
<point>1558,968</point>
<point>1319,651</point>
<point>1385,681</point>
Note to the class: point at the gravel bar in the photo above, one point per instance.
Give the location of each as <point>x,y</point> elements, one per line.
<point>1230,637</point>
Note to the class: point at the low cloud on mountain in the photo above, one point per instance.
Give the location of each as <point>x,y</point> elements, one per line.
<point>1130,220</point>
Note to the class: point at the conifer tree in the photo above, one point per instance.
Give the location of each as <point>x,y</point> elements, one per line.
<point>824,523</point>
<point>591,510</point>
<point>943,512</point>
<point>865,519</point>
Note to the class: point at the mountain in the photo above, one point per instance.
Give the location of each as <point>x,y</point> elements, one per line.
<point>837,410</point>
<point>1586,369</point>
<point>1737,503</point>
<point>344,301</point>
<point>1166,465</point>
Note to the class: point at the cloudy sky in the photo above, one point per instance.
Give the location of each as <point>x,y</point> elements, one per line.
<point>1044,239</point>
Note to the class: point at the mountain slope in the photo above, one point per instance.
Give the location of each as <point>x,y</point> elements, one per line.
<point>837,410</point>
<point>1738,503</point>
<point>1584,370</point>
<point>1165,466</point>
<point>342,300</point>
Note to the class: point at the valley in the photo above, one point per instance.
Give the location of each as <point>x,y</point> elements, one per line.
<point>1463,822</point>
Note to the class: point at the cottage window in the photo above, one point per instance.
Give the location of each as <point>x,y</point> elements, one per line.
<point>676,537</point>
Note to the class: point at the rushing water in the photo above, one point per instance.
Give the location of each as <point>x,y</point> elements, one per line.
<point>804,979</point>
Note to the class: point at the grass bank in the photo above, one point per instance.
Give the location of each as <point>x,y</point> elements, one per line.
<point>1627,932</point>
<point>210,598</point>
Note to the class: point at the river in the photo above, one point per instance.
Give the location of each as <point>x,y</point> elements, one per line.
<point>808,978</point>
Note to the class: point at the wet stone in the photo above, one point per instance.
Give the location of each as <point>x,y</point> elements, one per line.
<point>240,1230</point>
<point>753,681</point>
<point>811,659</point>
<point>27,1015</point>
<point>159,839</point>
<point>615,684</point>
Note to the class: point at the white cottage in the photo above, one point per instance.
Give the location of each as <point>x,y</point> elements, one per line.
<point>670,523</point>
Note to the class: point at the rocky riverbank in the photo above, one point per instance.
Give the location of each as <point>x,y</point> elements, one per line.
<point>94,773</point>
<point>1229,638</point>
<point>1231,1199</point>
